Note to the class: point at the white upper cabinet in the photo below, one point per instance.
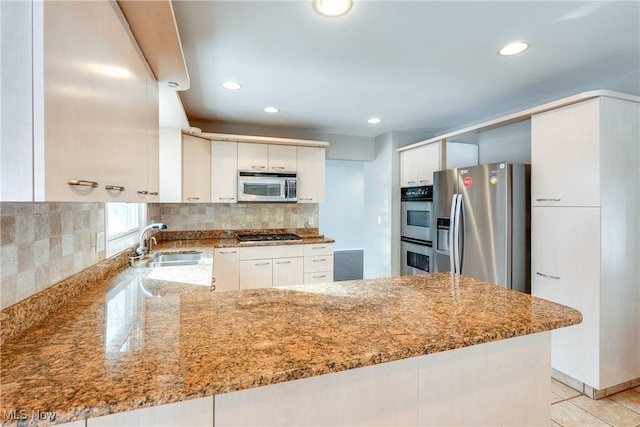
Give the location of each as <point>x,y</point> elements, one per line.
<point>565,154</point>
<point>311,171</point>
<point>224,171</point>
<point>85,135</point>
<point>196,169</point>
<point>266,157</point>
<point>283,158</point>
<point>253,157</point>
<point>418,164</point>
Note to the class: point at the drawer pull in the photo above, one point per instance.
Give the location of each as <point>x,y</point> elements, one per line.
<point>548,276</point>
<point>228,252</point>
<point>142,192</point>
<point>153,193</point>
<point>319,247</point>
<point>114,187</point>
<point>319,260</point>
<point>320,276</point>
<point>82,183</point>
<point>283,262</point>
<point>262,263</point>
<point>548,200</point>
<point>193,198</point>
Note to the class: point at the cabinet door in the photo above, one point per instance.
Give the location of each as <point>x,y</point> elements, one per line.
<point>565,156</point>
<point>194,412</point>
<point>224,172</point>
<point>253,157</point>
<point>226,269</point>
<point>288,271</point>
<point>408,169</point>
<point>428,162</point>
<point>256,273</point>
<point>565,268</point>
<point>196,169</point>
<point>311,167</point>
<point>283,158</point>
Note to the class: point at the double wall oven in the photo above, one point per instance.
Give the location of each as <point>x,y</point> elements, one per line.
<point>415,241</point>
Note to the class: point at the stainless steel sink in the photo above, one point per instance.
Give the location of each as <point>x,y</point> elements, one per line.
<point>168,260</point>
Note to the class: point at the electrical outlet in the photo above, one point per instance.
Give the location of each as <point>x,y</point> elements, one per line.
<point>100,241</point>
<point>310,220</point>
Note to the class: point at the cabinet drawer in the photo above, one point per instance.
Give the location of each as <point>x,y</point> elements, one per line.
<point>314,264</point>
<point>267,252</point>
<point>318,249</point>
<point>320,277</point>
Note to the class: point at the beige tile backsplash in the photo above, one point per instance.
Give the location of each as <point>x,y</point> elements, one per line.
<point>201,216</point>
<point>44,243</point>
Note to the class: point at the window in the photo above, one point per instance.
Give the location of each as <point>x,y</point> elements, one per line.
<point>124,221</point>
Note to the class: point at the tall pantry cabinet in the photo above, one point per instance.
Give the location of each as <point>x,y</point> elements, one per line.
<point>586,235</point>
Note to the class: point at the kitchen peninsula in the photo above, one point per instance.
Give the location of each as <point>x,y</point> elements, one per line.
<point>137,349</point>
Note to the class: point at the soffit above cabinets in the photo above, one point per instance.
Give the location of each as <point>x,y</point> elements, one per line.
<point>153,25</point>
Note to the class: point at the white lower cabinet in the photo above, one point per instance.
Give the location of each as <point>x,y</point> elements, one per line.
<point>189,413</point>
<point>566,269</point>
<point>266,266</point>
<point>288,271</point>
<point>226,269</point>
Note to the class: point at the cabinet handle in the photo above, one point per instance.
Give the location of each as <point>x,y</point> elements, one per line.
<point>227,252</point>
<point>82,183</point>
<point>193,198</point>
<point>114,187</point>
<point>279,168</point>
<point>226,198</point>
<point>548,276</point>
<point>153,193</point>
<point>425,181</point>
<point>142,192</point>
<point>320,276</point>
<point>301,199</point>
<point>319,260</point>
<point>319,247</point>
<point>262,263</point>
<point>411,182</point>
<point>283,262</point>
<point>258,167</point>
<point>548,200</point>
<point>213,287</point>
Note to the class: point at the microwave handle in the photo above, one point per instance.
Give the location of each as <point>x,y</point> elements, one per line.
<point>286,189</point>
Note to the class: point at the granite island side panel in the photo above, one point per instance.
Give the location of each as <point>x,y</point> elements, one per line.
<point>181,341</point>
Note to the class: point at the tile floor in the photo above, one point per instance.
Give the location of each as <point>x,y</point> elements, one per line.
<point>571,408</point>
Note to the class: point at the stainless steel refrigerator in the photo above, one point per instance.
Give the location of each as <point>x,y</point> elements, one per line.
<point>481,218</point>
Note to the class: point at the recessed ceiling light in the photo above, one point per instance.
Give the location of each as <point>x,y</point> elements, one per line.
<point>231,85</point>
<point>271,110</point>
<point>513,48</point>
<point>332,8</point>
<point>374,120</point>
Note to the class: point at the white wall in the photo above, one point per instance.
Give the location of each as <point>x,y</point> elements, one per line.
<point>342,213</point>
<point>508,143</point>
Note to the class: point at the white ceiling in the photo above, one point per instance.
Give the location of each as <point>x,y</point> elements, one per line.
<point>420,66</point>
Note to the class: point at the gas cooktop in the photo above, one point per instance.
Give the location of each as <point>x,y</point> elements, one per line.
<point>268,237</point>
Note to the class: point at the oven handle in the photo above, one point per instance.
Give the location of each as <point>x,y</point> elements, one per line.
<point>416,241</point>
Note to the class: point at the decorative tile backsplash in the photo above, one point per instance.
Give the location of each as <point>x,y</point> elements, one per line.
<point>225,216</point>
<point>44,243</point>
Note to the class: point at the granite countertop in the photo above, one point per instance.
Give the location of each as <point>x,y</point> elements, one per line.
<point>145,338</point>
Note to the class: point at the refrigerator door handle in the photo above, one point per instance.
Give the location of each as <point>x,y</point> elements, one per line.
<point>457,232</point>
<point>452,216</point>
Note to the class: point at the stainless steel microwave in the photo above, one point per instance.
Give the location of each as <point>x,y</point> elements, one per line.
<point>267,187</point>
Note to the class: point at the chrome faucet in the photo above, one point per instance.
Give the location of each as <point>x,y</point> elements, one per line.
<point>142,248</point>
